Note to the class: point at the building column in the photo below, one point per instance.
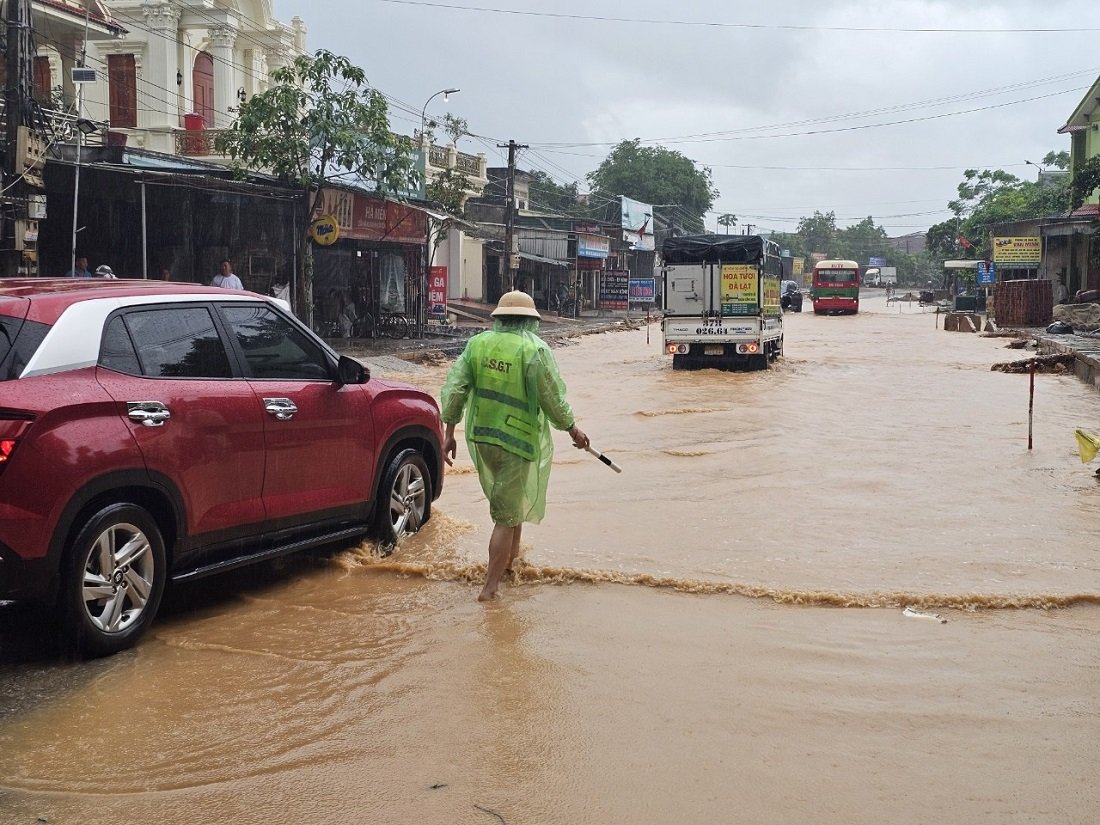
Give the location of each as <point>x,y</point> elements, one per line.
<point>222,39</point>
<point>70,55</point>
<point>277,59</point>
<point>159,67</point>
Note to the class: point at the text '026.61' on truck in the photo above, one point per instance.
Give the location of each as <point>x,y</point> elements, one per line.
<point>722,301</point>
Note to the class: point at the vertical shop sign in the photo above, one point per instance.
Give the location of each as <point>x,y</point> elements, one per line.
<point>437,291</point>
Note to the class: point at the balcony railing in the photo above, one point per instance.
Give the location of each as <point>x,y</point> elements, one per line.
<point>447,157</point>
<point>468,164</point>
<point>196,142</point>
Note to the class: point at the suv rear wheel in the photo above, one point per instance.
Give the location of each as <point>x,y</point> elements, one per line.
<point>404,497</point>
<point>112,580</point>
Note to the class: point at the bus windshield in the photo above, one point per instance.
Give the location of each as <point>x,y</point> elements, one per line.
<point>835,276</point>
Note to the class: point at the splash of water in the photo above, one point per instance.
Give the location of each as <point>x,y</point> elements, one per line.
<point>682,411</point>
<point>529,574</point>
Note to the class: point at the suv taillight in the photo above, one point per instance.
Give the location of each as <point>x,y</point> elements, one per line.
<point>12,426</point>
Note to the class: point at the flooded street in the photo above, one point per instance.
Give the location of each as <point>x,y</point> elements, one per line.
<point>715,635</point>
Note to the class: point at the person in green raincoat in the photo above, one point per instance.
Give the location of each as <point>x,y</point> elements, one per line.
<point>508,382</point>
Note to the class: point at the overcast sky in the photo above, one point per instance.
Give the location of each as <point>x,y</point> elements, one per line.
<point>761,75</point>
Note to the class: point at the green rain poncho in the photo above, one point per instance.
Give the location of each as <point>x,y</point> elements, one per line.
<point>508,382</point>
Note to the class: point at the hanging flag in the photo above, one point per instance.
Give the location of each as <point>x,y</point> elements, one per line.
<point>966,244</point>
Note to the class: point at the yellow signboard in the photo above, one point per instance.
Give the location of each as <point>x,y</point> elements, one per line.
<point>1027,250</point>
<point>740,289</point>
<point>771,305</point>
<point>324,230</point>
<point>797,265</point>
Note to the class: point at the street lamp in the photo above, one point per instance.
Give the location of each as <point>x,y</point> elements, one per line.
<point>424,110</point>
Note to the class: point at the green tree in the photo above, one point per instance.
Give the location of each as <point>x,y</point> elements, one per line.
<point>992,196</point>
<point>450,189</point>
<point>654,175</point>
<point>942,240</point>
<point>1086,179</point>
<point>318,121</point>
<point>727,220</point>
<point>860,241</point>
<point>548,195</point>
<point>818,232</point>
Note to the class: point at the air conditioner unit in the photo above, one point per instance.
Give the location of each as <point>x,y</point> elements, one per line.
<point>83,75</point>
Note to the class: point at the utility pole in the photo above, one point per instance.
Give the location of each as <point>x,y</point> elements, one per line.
<point>511,264</point>
<point>18,92</point>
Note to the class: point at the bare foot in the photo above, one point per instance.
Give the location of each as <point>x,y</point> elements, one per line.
<point>487,595</point>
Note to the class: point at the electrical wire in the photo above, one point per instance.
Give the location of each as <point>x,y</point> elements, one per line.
<point>720,25</point>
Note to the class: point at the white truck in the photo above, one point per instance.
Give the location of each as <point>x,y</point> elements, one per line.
<point>881,276</point>
<point>721,301</point>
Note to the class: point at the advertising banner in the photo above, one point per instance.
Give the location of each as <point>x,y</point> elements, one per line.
<point>638,224</point>
<point>873,261</point>
<point>365,218</point>
<point>643,290</point>
<point>1023,252</point>
<point>377,220</point>
<point>740,289</point>
<point>437,291</point>
<point>987,273</point>
<point>593,246</point>
<point>614,287</point>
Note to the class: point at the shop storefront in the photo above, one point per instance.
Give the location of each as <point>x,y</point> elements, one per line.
<point>375,264</point>
<point>593,250</point>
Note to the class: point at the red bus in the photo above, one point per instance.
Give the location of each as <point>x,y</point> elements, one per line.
<point>835,288</point>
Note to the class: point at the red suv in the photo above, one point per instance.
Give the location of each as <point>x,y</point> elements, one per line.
<point>154,431</point>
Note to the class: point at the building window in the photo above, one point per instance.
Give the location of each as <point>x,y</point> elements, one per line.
<point>123,87</point>
<point>43,82</point>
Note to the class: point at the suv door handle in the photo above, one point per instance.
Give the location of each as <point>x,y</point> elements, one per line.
<point>283,409</point>
<point>148,413</point>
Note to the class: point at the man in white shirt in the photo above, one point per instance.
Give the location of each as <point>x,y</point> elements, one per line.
<point>227,280</point>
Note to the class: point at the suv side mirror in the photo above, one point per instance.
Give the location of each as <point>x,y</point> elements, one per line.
<point>350,371</point>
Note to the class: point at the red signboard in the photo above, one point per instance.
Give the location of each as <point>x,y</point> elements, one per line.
<point>437,291</point>
<point>366,218</point>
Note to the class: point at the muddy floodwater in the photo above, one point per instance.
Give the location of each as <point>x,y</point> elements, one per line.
<point>718,634</point>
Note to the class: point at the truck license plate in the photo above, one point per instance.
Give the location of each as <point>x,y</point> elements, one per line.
<point>713,349</point>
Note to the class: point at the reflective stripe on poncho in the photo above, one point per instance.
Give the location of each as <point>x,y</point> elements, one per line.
<point>512,408</point>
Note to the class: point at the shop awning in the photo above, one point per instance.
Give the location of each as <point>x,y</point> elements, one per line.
<point>531,256</point>
<point>447,216</point>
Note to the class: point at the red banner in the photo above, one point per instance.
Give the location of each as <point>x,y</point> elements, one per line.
<point>366,218</point>
<point>437,291</point>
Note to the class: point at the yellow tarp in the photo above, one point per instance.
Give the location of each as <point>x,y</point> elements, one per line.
<point>1087,444</point>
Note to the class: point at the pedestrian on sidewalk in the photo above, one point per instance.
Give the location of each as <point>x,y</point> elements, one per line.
<point>80,268</point>
<point>227,280</point>
<point>507,381</point>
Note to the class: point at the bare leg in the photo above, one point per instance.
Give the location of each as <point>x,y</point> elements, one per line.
<point>515,548</point>
<point>500,548</point>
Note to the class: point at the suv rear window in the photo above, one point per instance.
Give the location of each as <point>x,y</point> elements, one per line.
<point>172,342</point>
<point>18,341</point>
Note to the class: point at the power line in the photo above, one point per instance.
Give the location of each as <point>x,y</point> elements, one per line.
<point>722,25</point>
<point>832,131</point>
